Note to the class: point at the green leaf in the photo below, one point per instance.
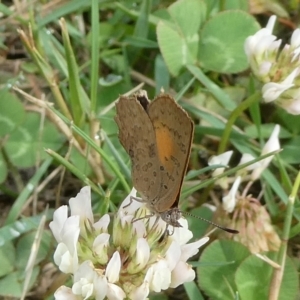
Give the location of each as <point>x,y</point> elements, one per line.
<point>140,42</point>
<point>80,162</point>
<point>288,121</point>
<point>222,39</point>
<point>290,153</point>
<point>7,258</point>
<point>162,76</point>
<point>23,225</point>
<point>24,245</point>
<point>79,101</point>
<point>178,40</point>
<point>238,4</point>
<point>142,24</point>
<point>12,284</point>
<point>253,277</point>
<point>272,181</point>
<point>221,96</point>
<point>3,169</point>
<point>266,130</point>
<point>26,144</point>
<point>188,15</point>
<point>173,48</point>
<point>221,259</point>
<point>199,227</point>
<point>11,112</point>
<point>193,291</point>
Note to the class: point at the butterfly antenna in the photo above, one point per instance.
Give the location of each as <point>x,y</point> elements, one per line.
<point>212,223</point>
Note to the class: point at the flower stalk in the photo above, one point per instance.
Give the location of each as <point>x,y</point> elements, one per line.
<point>278,273</point>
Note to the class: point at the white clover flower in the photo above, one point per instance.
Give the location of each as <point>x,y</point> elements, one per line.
<point>221,159</point>
<point>260,41</point>
<point>247,157</point>
<point>126,260</point>
<point>277,67</point>
<point>229,201</point>
<point>271,145</point>
<point>261,50</point>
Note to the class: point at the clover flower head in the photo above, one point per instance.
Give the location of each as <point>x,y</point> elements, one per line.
<point>275,66</point>
<point>128,259</point>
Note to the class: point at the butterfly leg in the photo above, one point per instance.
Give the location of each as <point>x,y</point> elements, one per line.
<point>145,217</point>
<point>134,198</point>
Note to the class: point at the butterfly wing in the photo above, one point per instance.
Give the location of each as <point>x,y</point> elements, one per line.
<point>137,136</point>
<point>173,133</point>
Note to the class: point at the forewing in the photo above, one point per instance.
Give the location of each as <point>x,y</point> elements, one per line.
<point>136,134</point>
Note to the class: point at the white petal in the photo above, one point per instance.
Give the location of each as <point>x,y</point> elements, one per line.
<point>100,245</point>
<point>86,270</point>
<point>70,234</point>
<point>100,287</point>
<point>141,292</point>
<point>222,159</point>
<point>295,39</point>
<point>265,43</point>
<point>81,205</point>
<point>88,282</point>
<point>261,40</point>
<point>173,255</point>
<point>264,68</point>
<point>182,273</point>
<point>159,225</point>
<point>271,23</point>
<point>271,145</point>
<point>161,277</point>
<point>139,228</point>
<point>247,157</point>
<point>192,249</point>
<point>273,142</point>
<point>59,218</point>
<point>291,105</point>
<point>83,288</point>
<point>229,200</point>
<point>129,205</point>
<point>272,90</point>
<point>296,54</point>
<point>142,252</point>
<point>114,292</point>
<point>103,223</point>
<point>181,234</point>
<point>65,261</point>
<point>113,268</point>
<point>64,293</point>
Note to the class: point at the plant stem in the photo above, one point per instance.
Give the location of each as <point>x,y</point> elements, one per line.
<point>278,273</point>
<point>232,118</point>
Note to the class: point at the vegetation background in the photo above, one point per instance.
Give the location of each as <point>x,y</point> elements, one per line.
<point>63,64</point>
